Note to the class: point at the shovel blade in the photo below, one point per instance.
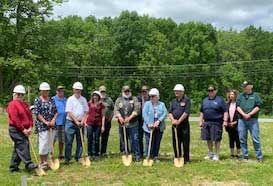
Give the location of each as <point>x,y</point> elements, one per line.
<point>40,172</point>
<point>148,162</point>
<point>85,162</point>
<point>127,159</point>
<point>54,164</point>
<point>178,162</point>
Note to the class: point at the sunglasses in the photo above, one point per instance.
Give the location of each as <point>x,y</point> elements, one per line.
<point>20,94</point>
<point>210,90</point>
<point>127,91</point>
<point>152,96</point>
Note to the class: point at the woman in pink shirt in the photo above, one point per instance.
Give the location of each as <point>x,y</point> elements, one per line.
<point>232,126</point>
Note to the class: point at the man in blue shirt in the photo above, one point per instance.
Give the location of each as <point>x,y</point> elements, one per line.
<point>213,115</point>
<point>179,114</point>
<point>60,102</point>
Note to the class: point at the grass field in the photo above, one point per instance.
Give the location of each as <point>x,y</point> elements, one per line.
<point>110,171</point>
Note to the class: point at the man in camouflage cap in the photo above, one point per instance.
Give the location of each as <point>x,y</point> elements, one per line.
<point>127,109</point>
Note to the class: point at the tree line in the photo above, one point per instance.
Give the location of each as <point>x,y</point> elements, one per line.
<point>128,49</point>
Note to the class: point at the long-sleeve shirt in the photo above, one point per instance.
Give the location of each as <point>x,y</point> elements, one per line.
<point>20,115</point>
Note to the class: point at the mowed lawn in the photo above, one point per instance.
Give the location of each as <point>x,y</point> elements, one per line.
<point>110,171</point>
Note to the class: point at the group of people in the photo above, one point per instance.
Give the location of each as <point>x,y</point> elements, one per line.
<point>139,115</point>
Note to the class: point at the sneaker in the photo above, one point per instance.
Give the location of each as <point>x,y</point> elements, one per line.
<point>209,156</point>
<point>61,157</point>
<point>156,160</point>
<point>97,158</point>
<point>31,166</point>
<point>66,162</point>
<point>43,165</point>
<point>13,170</point>
<point>215,157</point>
<point>232,156</point>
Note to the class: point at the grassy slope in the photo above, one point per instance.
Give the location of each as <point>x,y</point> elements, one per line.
<point>110,171</point>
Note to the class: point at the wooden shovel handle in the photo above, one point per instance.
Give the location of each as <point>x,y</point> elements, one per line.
<point>33,151</point>
<point>51,141</point>
<point>150,143</point>
<point>125,139</point>
<point>83,150</point>
<point>176,142</point>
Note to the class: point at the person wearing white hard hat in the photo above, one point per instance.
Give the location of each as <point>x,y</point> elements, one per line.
<point>179,115</point>
<point>95,122</point>
<point>76,109</point>
<point>154,112</point>
<point>20,127</point>
<point>46,114</point>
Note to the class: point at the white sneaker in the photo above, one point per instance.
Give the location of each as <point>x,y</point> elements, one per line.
<point>215,157</point>
<point>209,156</point>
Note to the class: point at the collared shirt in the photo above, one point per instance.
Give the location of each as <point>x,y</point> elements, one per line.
<point>179,106</point>
<point>47,109</point>
<point>109,107</point>
<point>60,104</point>
<point>213,109</point>
<point>78,106</point>
<point>247,102</point>
<point>19,115</point>
<point>127,106</point>
<point>152,114</point>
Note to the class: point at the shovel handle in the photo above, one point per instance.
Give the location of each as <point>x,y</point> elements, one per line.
<point>51,140</point>
<point>150,143</point>
<point>176,142</point>
<point>33,151</point>
<point>83,149</point>
<point>125,139</point>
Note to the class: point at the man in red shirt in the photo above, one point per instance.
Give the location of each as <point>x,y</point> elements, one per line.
<point>20,127</point>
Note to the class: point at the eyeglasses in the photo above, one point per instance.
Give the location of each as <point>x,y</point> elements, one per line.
<point>210,90</point>
<point>127,91</point>
<point>153,96</point>
<point>20,94</point>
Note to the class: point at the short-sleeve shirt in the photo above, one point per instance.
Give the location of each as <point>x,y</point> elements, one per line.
<point>180,106</point>
<point>213,109</point>
<point>47,109</point>
<point>60,104</point>
<point>247,102</point>
<point>78,106</point>
<point>95,114</point>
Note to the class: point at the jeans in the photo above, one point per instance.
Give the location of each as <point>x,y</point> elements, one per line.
<point>253,126</point>
<point>183,138</point>
<point>155,144</point>
<point>72,129</point>
<point>20,150</point>
<point>93,136</point>
<point>132,135</point>
<point>105,137</point>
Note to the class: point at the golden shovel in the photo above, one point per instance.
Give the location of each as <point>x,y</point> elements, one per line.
<point>127,158</point>
<point>39,171</point>
<point>85,161</point>
<point>178,162</point>
<point>53,163</point>
<point>149,162</point>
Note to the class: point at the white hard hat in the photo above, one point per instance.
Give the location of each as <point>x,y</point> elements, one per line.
<point>77,85</point>
<point>44,86</point>
<point>19,89</point>
<point>154,92</point>
<point>96,92</point>
<point>179,87</point>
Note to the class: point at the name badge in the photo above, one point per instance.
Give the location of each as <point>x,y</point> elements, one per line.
<point>182,104</point>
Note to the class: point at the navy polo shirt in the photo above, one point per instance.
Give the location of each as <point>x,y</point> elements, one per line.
<point>178,107</point>
<point>213,109</point>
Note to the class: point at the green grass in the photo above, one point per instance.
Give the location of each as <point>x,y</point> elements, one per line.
<point>110,171</point>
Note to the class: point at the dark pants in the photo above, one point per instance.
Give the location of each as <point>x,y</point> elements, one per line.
<point>155,145</point>
<point>183,135</point>
<point>233,137</point>
<point>20,149</point>
<point>140,135</point>
<point>93,136</point>
<point>105,137</point>
<point>70,131</point>
<point>132,135</point>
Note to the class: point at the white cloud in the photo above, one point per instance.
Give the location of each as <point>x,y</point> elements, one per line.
<point>237,14</point>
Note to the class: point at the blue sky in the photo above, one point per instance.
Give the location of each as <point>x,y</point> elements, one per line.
<point>236,14</point>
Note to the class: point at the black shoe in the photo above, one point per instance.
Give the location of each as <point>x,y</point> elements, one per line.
<point>31,167</point>
<point>260,160</point>
<point>66,162</point>
<point>61,157</point>
<point>14,170</point>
